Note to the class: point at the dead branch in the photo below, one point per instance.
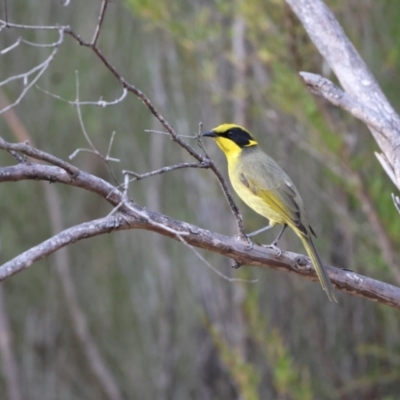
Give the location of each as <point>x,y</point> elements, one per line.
<point>130,88</point>
<point>132,216</point>
<point>32,152</point>
<point>355,78</point>
<point>163,170</point>
<point>323,87</point>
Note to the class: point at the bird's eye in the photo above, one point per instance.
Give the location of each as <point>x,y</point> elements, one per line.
<point>230,133</point>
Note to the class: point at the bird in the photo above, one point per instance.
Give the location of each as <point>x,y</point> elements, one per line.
<point>266,188</point>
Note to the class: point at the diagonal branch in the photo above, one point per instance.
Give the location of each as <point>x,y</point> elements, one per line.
<point>132,216</point>
<point>346,281</point>
<point>323,87</point>
<point>174,136</point>
<point>30,151</point>
<point>354,76</point>
<point>141,95</point>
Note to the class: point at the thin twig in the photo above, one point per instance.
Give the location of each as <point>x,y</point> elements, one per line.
<point>175,137</point>
<point>168,134</point>
<point>137,177</point>
<point>13,46</point>
<point>220,274</point>
<point>178,233</point>
<point>78,109</point>
<point>6,24</point>
<point>26,149</point>
<point>100,22</point>
<point>133,89</point>
<point>93,149</point>
<point>20,159</point>
<point>108,158</point>
<point>41,67</point>
<point>101,102</point>
<point>84,150</point>
<point>32,44</point>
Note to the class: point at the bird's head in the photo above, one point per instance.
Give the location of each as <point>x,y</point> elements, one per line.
<point>231,138</point>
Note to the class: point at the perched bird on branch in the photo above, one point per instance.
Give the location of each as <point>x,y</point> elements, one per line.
<point>263,185</point>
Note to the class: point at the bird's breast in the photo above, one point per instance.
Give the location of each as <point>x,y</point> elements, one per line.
<point>250,195</point>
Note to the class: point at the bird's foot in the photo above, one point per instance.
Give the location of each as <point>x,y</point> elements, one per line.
<point>273,246</point>
<point>247,239</point>
<point>250,244</point>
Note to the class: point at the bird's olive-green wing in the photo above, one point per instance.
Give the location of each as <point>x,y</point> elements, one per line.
<point>282,198</point>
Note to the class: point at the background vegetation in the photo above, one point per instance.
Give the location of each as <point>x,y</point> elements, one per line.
<point>166,326</point>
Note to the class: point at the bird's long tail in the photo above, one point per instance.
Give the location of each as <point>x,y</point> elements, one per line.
<point>319,268</point>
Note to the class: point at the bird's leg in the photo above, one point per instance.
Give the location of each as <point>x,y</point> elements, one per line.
<point>249,235</point>
<point>250,244</point>
<point>274,244</point>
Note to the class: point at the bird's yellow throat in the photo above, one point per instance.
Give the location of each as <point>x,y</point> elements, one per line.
<point>229,148</point>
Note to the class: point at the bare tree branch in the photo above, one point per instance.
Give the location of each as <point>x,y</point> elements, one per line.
<point>30,151</point>
<point>133,89</point>
<point>354,76</point>
<point>100,22</point>
<point>41,68</point>
<point>363,96</point>
<point>175,137</point>
<point>325,88</point>
<point>144,219</point>
<point>321,86</point>
<point>97,365</point>
<point>130,88</point>
<point>138,177</point>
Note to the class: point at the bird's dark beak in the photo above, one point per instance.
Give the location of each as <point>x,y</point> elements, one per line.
<point>209,134</point>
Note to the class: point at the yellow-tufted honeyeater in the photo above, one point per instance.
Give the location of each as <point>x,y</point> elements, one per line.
<point>263,185</point>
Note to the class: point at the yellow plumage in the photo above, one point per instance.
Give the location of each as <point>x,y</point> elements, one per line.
<point>267,189</point>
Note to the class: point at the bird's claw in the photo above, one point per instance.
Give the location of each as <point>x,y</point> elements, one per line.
<point>274,247</point>
<point>250,244</point>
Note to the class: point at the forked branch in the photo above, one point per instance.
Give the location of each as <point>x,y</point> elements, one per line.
<point>357,81</point>
<point>132,216</point>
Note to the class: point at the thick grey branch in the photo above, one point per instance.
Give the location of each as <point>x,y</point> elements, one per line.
<point>323,87</point>
<point>353,74</point>
<point>236,249</point>
<point>136,217</point>
<point>30,151</point>
<point>50,173</point>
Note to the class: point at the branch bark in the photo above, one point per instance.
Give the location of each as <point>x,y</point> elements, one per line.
<point>133,216</point>
<point>355,78</point>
